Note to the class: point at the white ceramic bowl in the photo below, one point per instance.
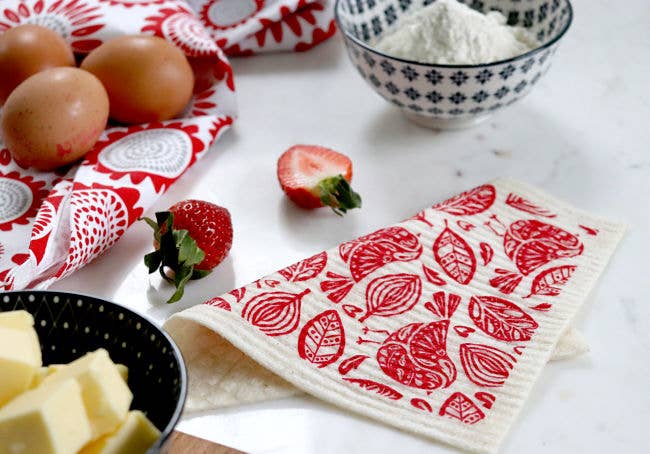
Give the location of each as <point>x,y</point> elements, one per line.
<point>451,96</point>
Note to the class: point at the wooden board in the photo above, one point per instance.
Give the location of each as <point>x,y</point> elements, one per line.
<point>182,443</point>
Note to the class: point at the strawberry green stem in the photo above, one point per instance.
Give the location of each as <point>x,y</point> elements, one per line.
<point>337,193</point>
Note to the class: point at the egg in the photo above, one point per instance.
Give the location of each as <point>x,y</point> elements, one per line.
<point>26,50</point>
<point>54,117</point>
<point>146,77</point>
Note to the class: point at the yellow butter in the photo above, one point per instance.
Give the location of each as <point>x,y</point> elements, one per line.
<point>20,358</point>
<point>16,320</point>
<point>124,371</point>
<point>50,419</point>
<point>134,436</point>
<point>105,394</point>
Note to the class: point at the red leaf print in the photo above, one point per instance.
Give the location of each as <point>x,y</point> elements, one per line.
<point>433,276</point>
<point>455,256</point>
<point>463,331</point>
<point>322,339</point>
<point>379,388</point>
<point>501,319</point>
<point>461,407</point>
<point>550,282</point>
<point>522,204</point>
<point>392,294</point>
<point>532,244</point>
<point>486,253</point>
<point>469,203</point>
<point>466,226</point>
<point>589,230</point>
<point>421,404</point>
<point>351,310</point>
<point>543,307</point>
<point>274,313</point>
<point>351,363</point>
<point>416,355</point>
<point>486,399</point>
<point>220,303</point>
<point>305,270</point>
<point>486,366</point>
<point>443,307</point>
<point>238,293</point>
<point>506,281</point>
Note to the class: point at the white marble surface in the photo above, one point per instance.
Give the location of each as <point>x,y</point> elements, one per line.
<point>582,135</point>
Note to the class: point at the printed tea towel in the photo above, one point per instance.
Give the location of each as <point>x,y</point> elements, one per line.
<point>438,325</point>
<point>53,223</point>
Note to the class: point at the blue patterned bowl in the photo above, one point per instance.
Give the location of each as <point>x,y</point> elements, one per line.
<point>451,96</point>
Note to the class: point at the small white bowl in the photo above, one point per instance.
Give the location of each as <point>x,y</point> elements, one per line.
<point>451,96</point>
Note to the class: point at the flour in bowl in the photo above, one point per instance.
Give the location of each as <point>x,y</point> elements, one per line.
<point>450,33</point>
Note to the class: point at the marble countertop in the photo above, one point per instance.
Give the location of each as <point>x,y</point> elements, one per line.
<point>581,135</point>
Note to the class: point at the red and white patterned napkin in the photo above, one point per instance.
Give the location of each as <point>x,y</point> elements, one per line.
<point>438,325</point>
<point>51,224</point>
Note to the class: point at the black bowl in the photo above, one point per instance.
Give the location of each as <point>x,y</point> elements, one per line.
<point>70,325</point>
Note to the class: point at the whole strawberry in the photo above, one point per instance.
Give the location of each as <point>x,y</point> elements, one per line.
<point>191,239</point>
<point>313,176</point>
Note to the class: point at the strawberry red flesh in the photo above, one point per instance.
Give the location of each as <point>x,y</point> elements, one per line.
<point>314,176</point>
<point>191,239</point>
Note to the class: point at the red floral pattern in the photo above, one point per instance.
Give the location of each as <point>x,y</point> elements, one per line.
<point>78,21</point>
<point>20,197</point>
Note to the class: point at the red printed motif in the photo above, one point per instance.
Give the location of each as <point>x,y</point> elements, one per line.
<point>532,244</point>
<point>274,313</point>
<point>455,256</point>
<point>486,399</point>
<point>501,319</point>
<point>379,388</point>
<point>461,407</point>
<point>433,276</point>
<point>21,197</point>
<point>469,203</point>
<point>76,20</point>
<point>486,366</point>
<point>443,307</point>
<point>416,355</point>
<point>102,210</point>
<point>351,363</point>
<point>220,303</point>
<point>155,151</point>
<point>506,281</point>
<point>322,339</point>
<point>305,270</point>
<point>369,253</point>
<point>180,26</point>
<point>524,205</point>
<point>212,13</point>
<point>421,404</point>
<point>392,294</point>
<point>486,253</point>
<point>551,281</point>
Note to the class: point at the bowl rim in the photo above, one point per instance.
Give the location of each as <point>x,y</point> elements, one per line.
<point>176,415</point>
<point>436,65</point>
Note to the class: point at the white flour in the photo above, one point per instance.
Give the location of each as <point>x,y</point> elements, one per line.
<point>448,32</point>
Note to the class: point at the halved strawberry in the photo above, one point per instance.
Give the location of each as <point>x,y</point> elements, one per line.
<point>190,239</point>
<point>314,176</point>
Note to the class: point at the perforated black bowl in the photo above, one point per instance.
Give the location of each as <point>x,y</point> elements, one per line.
<point>70,325</point>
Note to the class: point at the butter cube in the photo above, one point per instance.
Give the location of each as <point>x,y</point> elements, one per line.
<point>105,394</point>
<point>20,357</point>
<point>134,436</point>
<point>43,372</point>
<point>16,320</point>
<point>50,419</point>
<point>124,371</point>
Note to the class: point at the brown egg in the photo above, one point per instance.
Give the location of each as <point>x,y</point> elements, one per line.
<point>54,117</point>
<point>26,50</point>
<point>146,77</point>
